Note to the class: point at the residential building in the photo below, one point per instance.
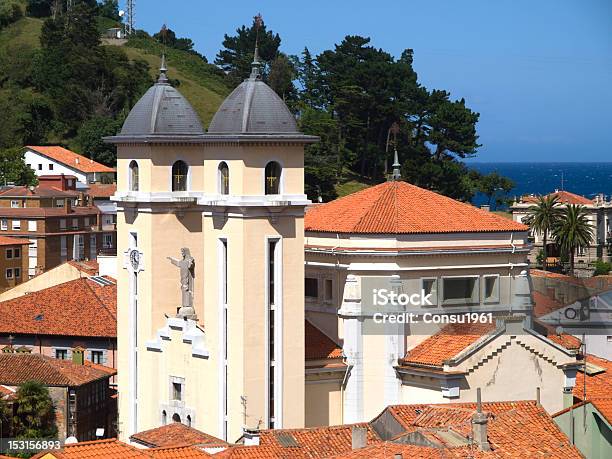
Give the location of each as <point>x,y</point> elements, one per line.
<point>56,160</point>
<point>599,215</point>
<point>79,314</point>
<point>61,222</point>
<point>79,390</point>
<point>113,448</point>
<point>176,434</point>
<point>13,262</point>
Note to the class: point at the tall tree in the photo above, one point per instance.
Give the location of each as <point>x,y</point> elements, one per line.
<point>13,168</point>
<point>281,76</point>
<point>573,231</point>
<point>237,54</point>
<point>543,218</point>
<point>495,187</point>
<point>35,415</point>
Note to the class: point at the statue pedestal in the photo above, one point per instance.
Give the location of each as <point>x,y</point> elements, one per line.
<point>186,313</point>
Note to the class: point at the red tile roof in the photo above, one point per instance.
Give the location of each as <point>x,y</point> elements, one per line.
<point>4,240</point>
<point>319,346</point>
<point>604,406</point>
<point>544,303</point>
<point>402,208</point>
<point>17,368</point>
<point>567,341</point>
<point>97,449</point>
<point>177,452</point>
<point>70,159</point>
<point>515,429</point>
<point>175,434</point>
<point>6,393</point>
<point>564,197</point>
<point>597,385</point>
<point>89,267</point>
<point>37,192</point>
<point>446,344</point>
<point>80,307</point>
<point>102,190</point>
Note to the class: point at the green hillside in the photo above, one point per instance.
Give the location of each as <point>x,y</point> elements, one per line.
<point>202,84</point>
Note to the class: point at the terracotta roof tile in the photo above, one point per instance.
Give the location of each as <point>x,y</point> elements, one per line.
<point>97,449</point>
<point>564,197</point>
<point>319,346</point>
<point>604,406</point>
<point>71,159</point>
<point>597,385</point>
<point>89,267</point>
<point>402,208</point>
<point>544,303</point>
<point>5,240</point>
<point>446,344</point>
<point>102,190</point>
<point>80,307</point>
<point>177,452</point>
<point>567,341</point>
<point>16,369</point>
<point>38,192</point>
<point>175,434</point>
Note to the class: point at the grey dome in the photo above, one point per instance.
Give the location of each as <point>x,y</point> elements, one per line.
<point>253,108</point>
<point>162,111</point>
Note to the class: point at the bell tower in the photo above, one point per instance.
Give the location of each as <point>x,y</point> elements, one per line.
<point>211,283</point>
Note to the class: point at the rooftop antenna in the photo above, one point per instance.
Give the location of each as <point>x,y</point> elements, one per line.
<point>130,17</point>
<point>256,64</point>
<point>562,181</point>
<point>163,78</point>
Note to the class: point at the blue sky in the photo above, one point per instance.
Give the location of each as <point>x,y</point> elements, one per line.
<point>538,71</point>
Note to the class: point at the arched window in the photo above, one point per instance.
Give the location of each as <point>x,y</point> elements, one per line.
<point>133,179</point>
<point>164,418</point>
<point>176,418</point>
<point>179,176</point>
<point>188,421</point>
<point>223,178</point>
<point>273,177</point>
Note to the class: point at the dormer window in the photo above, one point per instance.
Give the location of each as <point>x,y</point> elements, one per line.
<point>273,178</point>
<point>223,178</point>
<point>133,179</point>
<point>179,176</point>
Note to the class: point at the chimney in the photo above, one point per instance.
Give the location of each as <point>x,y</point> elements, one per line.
<point>359,437</point>
<point>538,395</point>
<point>251,437</point>
<point>398,456</point>
<point>486,207</point>
<point>479,425</point>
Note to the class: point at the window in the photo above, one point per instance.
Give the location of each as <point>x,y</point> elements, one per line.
<point>9,273</point>
<point>16,225</point>
<point>40,167</point>
<point>4,224</point>
<point>63,223</point>
<point>16,252</point>
<point>223,178</point>
<point>188,421</point>
<point>329,289</point>
<point>15,204</point>
<point>179,176</point>
<point>50,166</point>
<point>430,287</point>
<point>311,287</point>
<point>273,177</point>
<point>17,273</point>
<point>177,391</point>
<point>59,203</point>
<point>9,254</point>
<point>63,247</point>
<point>78,249</point>
<point>460,290</point>
<point>107,240</point>
<point>61,354</point>
<point>86,222</point>
<point>133,178</point>
<point>75,223</point>
<point>97,357</point>
<point>164,418</point>
<point>31,225</point>
<point>491,289</point>
<point>609,338</point>
<point>176,418</point>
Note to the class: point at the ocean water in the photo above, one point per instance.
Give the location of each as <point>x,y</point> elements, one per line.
<point>586,179</point>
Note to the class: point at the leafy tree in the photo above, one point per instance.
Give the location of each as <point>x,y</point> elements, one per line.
<point>35,415</point>
<point>10,12</point>
<point>39,8</point>
<point>90,140</point>
<point>236,57</point>
<point>13,168</point>
<point>168,37</point>
<point>602,268</point>
<point>544,217</point>
<point>282,74</point>
<point>109,9</point>
<point>573,230</point>
<point>495,187</point>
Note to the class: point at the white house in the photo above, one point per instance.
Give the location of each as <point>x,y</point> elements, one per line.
<point>56,160</point>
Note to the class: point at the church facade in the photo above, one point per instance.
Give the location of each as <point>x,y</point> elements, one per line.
<point>211,255</point>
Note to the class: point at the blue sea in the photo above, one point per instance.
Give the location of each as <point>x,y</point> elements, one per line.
<point>586,179</point>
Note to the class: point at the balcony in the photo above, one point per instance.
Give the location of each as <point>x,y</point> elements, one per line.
<point>109,227</point>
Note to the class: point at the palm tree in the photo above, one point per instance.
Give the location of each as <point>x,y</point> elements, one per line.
<point>573,231</point>
<point>542,218</point>
<point>35,414</point>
